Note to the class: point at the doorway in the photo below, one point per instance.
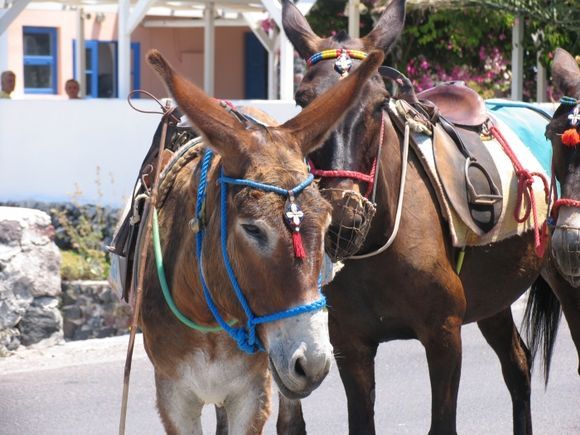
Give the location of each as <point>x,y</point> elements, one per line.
<point>101,68</point>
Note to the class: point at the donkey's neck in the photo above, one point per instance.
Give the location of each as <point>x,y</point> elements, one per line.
<point>181,251</point>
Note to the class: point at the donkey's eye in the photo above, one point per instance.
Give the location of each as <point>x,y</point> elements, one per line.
<point>255,232</point>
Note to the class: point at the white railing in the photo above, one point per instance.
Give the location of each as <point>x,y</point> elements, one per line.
<point>50,149</point>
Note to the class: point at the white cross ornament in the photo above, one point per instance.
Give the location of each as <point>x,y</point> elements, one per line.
<point>293,214</point>
<point>343,64</point>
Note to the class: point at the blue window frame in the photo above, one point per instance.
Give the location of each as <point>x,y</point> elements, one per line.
<point>101,68</point>
<point>91,66</point>
<point>135,66</point>
<point>40,60</point>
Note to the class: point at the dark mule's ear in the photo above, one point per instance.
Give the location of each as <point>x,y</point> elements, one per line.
<point>388,28</point>
<point>222,132</point>
<point>298,31</point>
<point>311,126</point>
<point>566,73</point>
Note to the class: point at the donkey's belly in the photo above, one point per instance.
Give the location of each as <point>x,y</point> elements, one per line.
<point>494,276</point>
<point>398,297</point>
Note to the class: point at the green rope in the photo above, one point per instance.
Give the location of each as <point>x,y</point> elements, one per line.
<point>460,258</point>
<point>165,287</point>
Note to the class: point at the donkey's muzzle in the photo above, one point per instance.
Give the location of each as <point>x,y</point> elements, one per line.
<point>352,215</point>
<point>566,252</point>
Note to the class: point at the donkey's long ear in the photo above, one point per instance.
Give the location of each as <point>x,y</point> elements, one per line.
<point>311,126</point>
<point>298,31</point>
<point>222,132</point>
<point>566,73</point>
<point>388,28</point>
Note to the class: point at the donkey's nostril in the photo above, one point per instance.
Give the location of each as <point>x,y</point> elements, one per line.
<point>299,367</point>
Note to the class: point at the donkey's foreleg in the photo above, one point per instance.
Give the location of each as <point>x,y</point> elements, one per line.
<point>443,347</point>
<point>502,335</point>
<point>356,364</point>
<point>290,419</point>
<point>248,411</point>
<point>179,408</point>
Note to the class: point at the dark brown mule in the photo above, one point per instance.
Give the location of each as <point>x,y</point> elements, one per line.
<point>411,290</point>
<point>193,368</point>
<point>562,271</point>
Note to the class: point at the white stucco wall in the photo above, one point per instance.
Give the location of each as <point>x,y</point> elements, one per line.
<point>48,148</point>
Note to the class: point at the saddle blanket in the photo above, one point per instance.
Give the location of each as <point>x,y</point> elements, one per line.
<point>507,226</point>
<point>529,125</point>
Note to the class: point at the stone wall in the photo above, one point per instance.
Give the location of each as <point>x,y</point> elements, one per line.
<point>35,307</point>
<point>91,309</point>
<point>102,219</point>
<point>29,279</point>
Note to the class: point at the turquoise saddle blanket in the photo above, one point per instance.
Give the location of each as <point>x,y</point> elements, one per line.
<point>529,123</point>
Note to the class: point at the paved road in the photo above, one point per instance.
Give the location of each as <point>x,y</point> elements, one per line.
<point>76,389</point>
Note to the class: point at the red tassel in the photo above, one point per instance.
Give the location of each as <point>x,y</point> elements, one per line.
<point>299,251</point>
<point>570,137</point>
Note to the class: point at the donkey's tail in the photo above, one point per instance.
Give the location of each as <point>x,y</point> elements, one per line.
<point>541,321</point>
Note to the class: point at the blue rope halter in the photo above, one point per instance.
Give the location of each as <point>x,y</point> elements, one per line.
<point>245,337</point>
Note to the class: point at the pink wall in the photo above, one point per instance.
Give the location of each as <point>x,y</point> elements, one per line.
<point>183,47</point>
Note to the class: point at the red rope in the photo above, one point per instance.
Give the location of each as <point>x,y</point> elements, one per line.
<point>355,175</point>
<point>564,202</point>
<point>526,193</point>
<point>340,173</point>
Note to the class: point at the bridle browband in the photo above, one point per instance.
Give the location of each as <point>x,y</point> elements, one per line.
<point>343,57</point>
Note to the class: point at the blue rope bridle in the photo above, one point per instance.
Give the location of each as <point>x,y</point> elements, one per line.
<point>245,337</point>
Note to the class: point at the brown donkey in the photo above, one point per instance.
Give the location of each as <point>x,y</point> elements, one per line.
<point>242,246</point>
<point>410,290</point>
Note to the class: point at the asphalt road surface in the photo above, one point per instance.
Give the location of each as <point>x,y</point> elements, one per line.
<point>76,389</point>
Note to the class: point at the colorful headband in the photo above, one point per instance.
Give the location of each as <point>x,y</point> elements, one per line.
<point>343,58</point>
<point>568,100</point>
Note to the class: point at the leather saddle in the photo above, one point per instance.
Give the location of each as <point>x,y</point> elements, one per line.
<point>464,165</point>
<point>457,103</point>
